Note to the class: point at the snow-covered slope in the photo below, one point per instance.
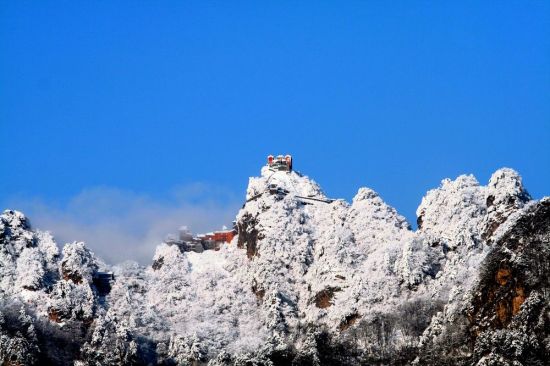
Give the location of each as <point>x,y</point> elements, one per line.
<point>308,280</point>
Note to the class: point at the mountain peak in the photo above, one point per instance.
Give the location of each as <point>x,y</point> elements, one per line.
<point>507,183</point>
<point>14,219</point>
<point>307,280</point>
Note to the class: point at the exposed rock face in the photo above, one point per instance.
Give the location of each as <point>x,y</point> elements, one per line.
<point>323,299</point>
<point>504,319</point>
<point>512,300</point>
<point>308,280</point>
<point>505,195</point>
<point>248,235</point>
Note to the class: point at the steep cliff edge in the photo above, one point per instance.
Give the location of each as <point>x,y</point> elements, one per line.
<point>308,280</point>
<point>506,317</point>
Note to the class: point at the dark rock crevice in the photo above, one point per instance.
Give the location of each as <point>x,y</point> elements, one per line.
<point>248,235</point>
<point>323,299</point>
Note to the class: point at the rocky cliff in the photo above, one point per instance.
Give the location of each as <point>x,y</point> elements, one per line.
<point>307,281</point>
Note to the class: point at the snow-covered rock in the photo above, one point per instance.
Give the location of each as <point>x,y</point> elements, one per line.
<point>308,280</point>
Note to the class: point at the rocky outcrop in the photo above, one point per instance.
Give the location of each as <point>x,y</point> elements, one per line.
<point>27,258</point>
<point>505,195</point>
<point>504,321</point>
<point>311,281</point>
<point>509,314</point>
<point>323,299</point>
<point>248,235</point>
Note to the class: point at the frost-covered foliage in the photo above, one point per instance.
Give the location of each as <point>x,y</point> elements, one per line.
<point>78,263</point>
<point>308,280</point>
<point>111,343</point>
<point>187,296</point>
<point>18,341</point>
<point>27,258</point>
<point>71,301</point>
<point>504,317</point>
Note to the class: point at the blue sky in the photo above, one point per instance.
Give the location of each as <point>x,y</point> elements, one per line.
<point>150,100</point>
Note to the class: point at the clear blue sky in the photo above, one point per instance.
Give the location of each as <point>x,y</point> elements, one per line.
<point>145,96</point>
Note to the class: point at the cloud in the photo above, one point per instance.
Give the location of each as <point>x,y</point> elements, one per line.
<point>119,225</point>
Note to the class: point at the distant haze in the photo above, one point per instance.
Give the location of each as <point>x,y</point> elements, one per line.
<point>121,225</point>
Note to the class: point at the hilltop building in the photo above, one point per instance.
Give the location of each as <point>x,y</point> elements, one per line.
<point>187,242</point>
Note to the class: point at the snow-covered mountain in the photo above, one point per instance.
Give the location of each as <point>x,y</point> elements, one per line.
<point>307,281</point>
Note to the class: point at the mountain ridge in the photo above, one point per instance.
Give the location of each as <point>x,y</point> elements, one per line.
<point>307,280</point>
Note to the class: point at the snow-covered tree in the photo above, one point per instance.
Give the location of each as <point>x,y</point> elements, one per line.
<point>78,263</point>
<point>30,269</point>
<point>111,344</point>
<point>308,280</point>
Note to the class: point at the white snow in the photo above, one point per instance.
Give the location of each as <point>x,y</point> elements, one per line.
<point>315,263</point>
<point>207,261</point>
